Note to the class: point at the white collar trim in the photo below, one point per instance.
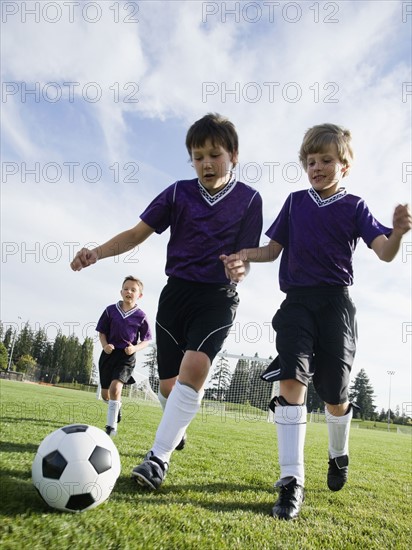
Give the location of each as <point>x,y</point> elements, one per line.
<point>325,202</point>
<point>123,313</point>
<point>213,199</point>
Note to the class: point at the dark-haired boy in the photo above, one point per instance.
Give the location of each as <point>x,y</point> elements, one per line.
<point>208,216</point>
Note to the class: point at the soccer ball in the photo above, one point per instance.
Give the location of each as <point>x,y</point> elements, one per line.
<point>76,468</point>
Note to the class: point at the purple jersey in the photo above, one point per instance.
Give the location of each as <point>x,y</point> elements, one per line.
<point>122,327</point>
<point>203,226</point>
<point>319,237</point>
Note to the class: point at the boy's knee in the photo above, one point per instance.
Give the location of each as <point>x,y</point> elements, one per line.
<point>339,409</point>
<point>293,391</point>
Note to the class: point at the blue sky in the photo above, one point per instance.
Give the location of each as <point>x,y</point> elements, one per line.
<point>116,86</point>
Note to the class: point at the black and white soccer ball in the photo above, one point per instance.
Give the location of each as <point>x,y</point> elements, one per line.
<point>76,468</point>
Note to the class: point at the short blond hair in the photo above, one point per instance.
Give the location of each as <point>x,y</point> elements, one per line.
<point>319,137</point>
<point>132,278</point>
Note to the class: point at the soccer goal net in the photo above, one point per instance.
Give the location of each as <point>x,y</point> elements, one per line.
<point>140,390</point>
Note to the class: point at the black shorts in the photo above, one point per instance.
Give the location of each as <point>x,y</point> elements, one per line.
<point>316,335</point>
<point>116,366</point>
<point>192,316</point>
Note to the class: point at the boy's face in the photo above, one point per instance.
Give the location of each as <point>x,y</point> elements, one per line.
<point>213,165</point>
<point>130,293</point>
<point>325,171</point>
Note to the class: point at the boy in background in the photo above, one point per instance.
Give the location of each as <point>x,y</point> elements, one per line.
<point>123,331</point>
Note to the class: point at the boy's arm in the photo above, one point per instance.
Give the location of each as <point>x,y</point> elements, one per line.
<point>108,348</point>
<point>117,245</point>
<point>130,349</point>
<point>237,265</point>
<point>387,248</point>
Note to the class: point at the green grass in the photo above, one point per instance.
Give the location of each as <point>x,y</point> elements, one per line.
<point>219,491</point>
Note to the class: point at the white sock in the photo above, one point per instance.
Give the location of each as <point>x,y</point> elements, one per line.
<point>162,399</point>
<point>112,413</point>
<point>181,407</point>
<point>338,429</point>
<point>290,423</point>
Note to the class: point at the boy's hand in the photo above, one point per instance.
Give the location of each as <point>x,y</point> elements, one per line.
<point>235,268</point>
<point>108,348</point>
<point>402,219</point>
<point>84,258</point>
<point>130,349</point>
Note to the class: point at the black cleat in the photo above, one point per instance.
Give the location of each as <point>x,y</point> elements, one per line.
<point>110,431</point>
<point>338,472</point>
<point>291,497</point>
<point>181,444</point>
<point>151,473</point>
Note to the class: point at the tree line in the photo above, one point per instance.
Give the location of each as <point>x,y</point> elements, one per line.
<point>62,360</point>
<point>66,360</point>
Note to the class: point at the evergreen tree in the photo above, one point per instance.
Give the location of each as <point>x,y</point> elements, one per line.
<point>8,337</point>
<point>382,415</point>
<point>259,391</point>
<point>220,380</point>
<point>86,362</point>
<point>24,343</point>
<point>239,384</point>
<point>313,401</point>
<point>361,393</point>
<point>3,356</point>
<point>39,345</point>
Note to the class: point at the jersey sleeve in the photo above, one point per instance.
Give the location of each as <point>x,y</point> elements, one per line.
<point>368,227</point>
<point>251,229</point>
<point>144,331</point>
<point>103,324</point>
<point>158,214</point>
<point>279,230</point>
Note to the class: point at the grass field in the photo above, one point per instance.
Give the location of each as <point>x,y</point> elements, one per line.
<point>219,490</point>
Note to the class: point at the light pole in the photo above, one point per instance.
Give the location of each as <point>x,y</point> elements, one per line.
<point>391,373</point>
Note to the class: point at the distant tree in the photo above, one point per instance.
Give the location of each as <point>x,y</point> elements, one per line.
<point>382,415</point>
<point>361,393</point>
<point>259,391</point>
<point>24,342</point>
<point>239,384</point>
<point>313,401</point>
<point>25,363</point>
<point>85,366</point>
<point>220,380</point>
<point>3,356</point>
<point>8,337</point>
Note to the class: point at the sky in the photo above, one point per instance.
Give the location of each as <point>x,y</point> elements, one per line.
<point>97,98</point>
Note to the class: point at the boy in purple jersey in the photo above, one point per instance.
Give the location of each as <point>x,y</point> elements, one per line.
<point>208,216</point>
<point>317,230</point>
<point>123,330</point>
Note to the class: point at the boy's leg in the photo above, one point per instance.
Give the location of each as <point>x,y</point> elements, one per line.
<point>338,419</point>
<point>104,393</point>
<point>165,387</point>
<point>290,420</point>
<point>181,407</point>
<point>115,392</point>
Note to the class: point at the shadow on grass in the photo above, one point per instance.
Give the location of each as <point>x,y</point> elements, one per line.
<point>19,496</point>
<point>213,496</point>
<point>12,447</point>
<point>32,420</point>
